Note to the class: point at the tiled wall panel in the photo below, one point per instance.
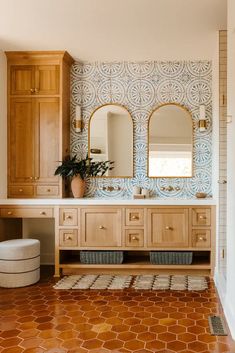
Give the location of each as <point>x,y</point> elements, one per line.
<point>141,87</point>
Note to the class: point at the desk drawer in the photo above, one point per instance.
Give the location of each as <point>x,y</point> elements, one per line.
<point>134,217</point>
<point>68,216</point>
<point>68,237</point>
<point>49,190</point>
<point>27,212</point>
<point>21,191</point>
<point>201,216</point>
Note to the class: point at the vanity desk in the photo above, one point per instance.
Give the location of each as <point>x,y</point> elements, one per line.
<point>133,226</point>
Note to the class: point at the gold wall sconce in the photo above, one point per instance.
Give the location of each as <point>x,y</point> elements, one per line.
<point>77,122</point>
<point>202,125</point>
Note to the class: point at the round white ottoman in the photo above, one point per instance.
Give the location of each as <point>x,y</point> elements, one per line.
<point>19,262</point>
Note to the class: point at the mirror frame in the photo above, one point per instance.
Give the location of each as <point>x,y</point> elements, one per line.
<point>89,143</point>
<point>190,116</point>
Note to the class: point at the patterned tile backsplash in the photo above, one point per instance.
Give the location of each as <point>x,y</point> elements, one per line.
<point>141,87</point>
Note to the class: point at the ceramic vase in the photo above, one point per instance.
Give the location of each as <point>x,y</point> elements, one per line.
<point>78,186</point>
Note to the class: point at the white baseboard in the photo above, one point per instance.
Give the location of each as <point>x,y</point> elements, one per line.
<point>229,310</point>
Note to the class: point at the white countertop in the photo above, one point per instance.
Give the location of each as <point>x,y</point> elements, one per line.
<point>101,201</point>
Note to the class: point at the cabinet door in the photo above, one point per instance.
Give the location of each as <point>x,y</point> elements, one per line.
<point>46,139</point>
<point>21,141</point>
<point>101,228</point>
<point>47,79</point>
<point>168,228</point>
<point>22,79</point>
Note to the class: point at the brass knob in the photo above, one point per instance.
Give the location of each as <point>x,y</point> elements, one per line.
<point>35,90</point>
<point>32,90</point>
<point>48,190</point>
<point>101,227</point>
<point>20,190</point>
<point>36,178</point>
<point>134,217</point>
<point>9,213</point>
<point>31,178</point>
<point>43,213</point>
<point>134,238</point>
<point>168,228</point>
<point>202,217</point>
<point>201,238</point>
<point>68,217</point>
<point>68,237</point>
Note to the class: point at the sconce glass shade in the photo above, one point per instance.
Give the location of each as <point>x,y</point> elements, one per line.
<point>77,123</point>
<point>202,118</point>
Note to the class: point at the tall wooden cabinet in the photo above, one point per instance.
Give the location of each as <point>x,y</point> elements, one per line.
<point>38,122</point>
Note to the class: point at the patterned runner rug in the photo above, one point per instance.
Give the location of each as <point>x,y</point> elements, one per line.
<point>141,282</point>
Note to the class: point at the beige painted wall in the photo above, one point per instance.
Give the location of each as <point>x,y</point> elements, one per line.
<point>3,125</point>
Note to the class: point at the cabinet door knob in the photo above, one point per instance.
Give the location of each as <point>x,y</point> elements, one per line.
<point>31,178</point>
<point>36,178</point>
<point>202,217</point>
<point>68,217</point>
<point>43,213</point>
<point>101,227</point>
<point>32,90</point>
<point>20,190</point>
<point>168,228</point>
<point>9,213</point>
<point>48,190</point>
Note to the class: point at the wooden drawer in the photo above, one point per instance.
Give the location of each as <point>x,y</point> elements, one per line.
<point>49,190</point>
<point>201,217</point>
<point>201,238</point>
<point>68,216</point>
<point>134,217</point>
<point>21,191</point>
<point>68,237</point>
<point>26,212</point>
<point>134,237</point>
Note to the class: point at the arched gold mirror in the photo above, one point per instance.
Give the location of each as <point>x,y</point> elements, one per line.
<point>170,142</point>
<point>111,138</point>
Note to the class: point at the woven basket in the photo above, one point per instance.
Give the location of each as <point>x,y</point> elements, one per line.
<point>171,257</point>
<point>101,257</point>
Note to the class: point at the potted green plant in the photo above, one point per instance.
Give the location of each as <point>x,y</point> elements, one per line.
<point>79,170</point>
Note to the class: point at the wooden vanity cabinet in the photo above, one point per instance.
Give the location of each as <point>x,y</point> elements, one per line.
<point>38,122</point>
<point>136,230</point>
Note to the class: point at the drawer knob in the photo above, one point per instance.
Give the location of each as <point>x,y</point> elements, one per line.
<point>101,227</point>
<point>134,238</point>
<point>68,217</point>
<point>201,238</point>
<point>20,190</point>
<point>202,217</point>
<point>43,213</point>
<point>68,237</point>
<point>168,228</point>
<point>31,178</point>
<point>48,190</point>
<point>9,213</point>
<point>134,217</point>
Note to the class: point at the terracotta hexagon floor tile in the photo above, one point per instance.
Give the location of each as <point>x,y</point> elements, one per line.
<point>31,342</point>
<point>146,336</point>
<point>126,336</point>
<point>167,337</point>
<point>113,344</point>
<point>158,328</point>
<point>196,329</point>
<point>177,329</point>
<point>10,333</point>
<point>13,350</point>
<point>176,346</point>
<point>134,345</point>
<point>87,335</point>
<point>10,342</point>
<point>106,336</point>
<point>155,345</point>
<point>187,337</point>
<point>197,346</point>
<point>139,328</point>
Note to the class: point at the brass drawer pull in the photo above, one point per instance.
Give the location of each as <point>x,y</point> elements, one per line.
<point>48,190</point>
<point>68,237</point>
<point>68,217</point>
<point>134,238</point>
<point>202,217</point>
<point>20,190</point>
<point>201,238</point>
<point>134,217</point>
<point>43,213</point>
<point>101,227</point>
<point>10,213</point>
<point>168,228</point>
